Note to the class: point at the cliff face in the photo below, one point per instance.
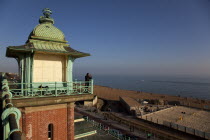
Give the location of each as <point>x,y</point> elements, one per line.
<point>108,93</point>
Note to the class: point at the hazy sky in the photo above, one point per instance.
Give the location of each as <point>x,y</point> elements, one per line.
<point>131,37</point>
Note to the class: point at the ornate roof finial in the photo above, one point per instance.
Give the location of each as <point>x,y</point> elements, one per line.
<point>47,12</point>
<point>46,18</point>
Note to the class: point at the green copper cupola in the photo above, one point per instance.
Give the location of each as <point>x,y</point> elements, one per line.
<point>46,30</point>
<point>46,56</point>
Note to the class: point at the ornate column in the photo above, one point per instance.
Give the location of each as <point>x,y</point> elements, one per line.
<point>69,75</point>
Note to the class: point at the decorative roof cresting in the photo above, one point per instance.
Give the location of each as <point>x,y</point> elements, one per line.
<point>46,18</point>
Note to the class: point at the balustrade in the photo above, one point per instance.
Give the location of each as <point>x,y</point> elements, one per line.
<point>45,89</point>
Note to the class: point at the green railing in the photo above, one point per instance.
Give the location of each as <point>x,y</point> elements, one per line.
<point>110,131</point>
<point>45,89</point>
<point>85,134</point>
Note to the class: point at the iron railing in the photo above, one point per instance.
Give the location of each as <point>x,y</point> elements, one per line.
<point>45,89</point>
<point>110,131</point>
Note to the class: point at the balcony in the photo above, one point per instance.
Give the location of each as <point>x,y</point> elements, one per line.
<point>47,89</point>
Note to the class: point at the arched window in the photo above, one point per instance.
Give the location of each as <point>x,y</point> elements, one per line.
<point>50,131</point>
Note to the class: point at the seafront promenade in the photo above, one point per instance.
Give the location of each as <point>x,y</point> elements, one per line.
<point>114,94</point>
<point>180,115</point>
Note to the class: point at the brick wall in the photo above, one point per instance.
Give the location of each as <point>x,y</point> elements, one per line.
<point>70,119</point>
<point>35,120</point>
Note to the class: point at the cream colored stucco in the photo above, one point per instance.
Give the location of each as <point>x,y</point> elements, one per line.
<point>49,68</point>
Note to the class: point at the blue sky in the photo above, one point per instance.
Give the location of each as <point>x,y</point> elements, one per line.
<point>130,37</point>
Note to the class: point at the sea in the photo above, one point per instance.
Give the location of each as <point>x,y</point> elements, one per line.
<point>196,87</point>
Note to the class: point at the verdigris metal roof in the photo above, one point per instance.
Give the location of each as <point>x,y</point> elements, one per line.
<point>47,31</point>
<point>45,47</point>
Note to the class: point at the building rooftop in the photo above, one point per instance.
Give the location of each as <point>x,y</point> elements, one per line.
<point>130,101</point>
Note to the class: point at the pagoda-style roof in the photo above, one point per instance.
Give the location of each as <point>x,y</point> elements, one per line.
<point>45,38</point>
<point>44,47</point>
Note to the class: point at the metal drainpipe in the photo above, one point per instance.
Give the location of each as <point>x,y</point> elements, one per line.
<point>15,133</point>
<point>22,68</point>
<point>8,102</point>
<point>29,74</point>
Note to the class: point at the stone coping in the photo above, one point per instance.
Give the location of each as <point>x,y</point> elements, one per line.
<point>30,102</point>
